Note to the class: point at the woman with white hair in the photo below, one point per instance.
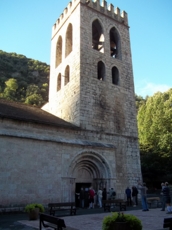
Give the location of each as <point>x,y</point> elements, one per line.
<point>99,194</point>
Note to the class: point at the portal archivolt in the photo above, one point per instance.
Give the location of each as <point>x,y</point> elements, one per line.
<point>89,166</point>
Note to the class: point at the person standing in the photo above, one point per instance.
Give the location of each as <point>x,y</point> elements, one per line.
<point>167,198</point>
<point>163,197</point>
<point>128,194</point>
<point>143,189</point>
<point>82,197</point>
<point>91,194</point>
<point>112,194</point>
<point>104,194</point>
<point>134,196</point>
<point>99,194</point>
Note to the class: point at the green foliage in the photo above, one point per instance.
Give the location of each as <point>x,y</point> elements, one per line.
<point>34,99</point>
<point>155,121</point>
<point>31,207</point>
<point>139,101</point>
<point>133,222</point>
<point>155,137</point>
<point>23,79</point>
<point>9,91</point>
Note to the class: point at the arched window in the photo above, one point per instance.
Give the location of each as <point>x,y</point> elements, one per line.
<point>69,41</point>
<point>115,43</point>
<point>59,82</point>
<point>97,36</point>
<point>67,75</point>
<point>115,76</point>
<point>101,71</point>
<point>58,52</point>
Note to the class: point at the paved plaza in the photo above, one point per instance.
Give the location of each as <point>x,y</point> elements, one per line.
<point>151,220</point>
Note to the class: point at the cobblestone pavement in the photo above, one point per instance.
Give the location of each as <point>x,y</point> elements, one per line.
<point>151,220</point>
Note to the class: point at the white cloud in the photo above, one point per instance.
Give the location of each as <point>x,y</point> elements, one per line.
<point>149,89</point>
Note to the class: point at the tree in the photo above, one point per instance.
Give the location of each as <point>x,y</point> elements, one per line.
<point>26,72</point>
<point>155,136</point>
<point>155,121</point>
<point>34,99</point>
<point>10,89</point>
<point>32,89</point>
<point>139,101</point>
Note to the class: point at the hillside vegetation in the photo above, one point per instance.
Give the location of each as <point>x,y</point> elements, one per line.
<point>23,79</point>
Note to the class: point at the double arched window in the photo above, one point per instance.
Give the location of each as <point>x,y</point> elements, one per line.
<point>101,73</point>
<point>66,78</point>
<point>68,45</point>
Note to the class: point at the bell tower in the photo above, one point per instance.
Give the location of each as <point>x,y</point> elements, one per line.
<point>91,76</point>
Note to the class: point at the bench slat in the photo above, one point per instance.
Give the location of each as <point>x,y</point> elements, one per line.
<point>51,221</point>
<point>108,203</point>
<point>69,206</point>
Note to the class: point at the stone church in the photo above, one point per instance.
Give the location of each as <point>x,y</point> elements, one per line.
<point>86,135</point>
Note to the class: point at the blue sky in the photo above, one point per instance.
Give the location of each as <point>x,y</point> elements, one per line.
<point>26,25</point>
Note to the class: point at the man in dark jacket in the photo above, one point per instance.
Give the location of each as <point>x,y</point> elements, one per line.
<point>134,196</point>
<point>128,194</point>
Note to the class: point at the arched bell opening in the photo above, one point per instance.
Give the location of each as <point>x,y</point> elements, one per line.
<point>115,43</point>
<point>58,58</point>
<point>69,40</point>
<point>97,36</point>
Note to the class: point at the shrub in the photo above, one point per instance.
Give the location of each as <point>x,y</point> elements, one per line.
<point>133,222</point>
<point>31,207</point>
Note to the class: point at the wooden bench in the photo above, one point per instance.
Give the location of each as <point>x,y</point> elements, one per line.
<point>167,223</point>
<point>108,204</point>
<point>152,200</point>
<point>51,221</point>
<point>69,206</point>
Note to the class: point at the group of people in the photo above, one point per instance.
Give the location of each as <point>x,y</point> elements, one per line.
<point>166,197</point>
<point>101,195</point>
<point>95,198</point>
<point>132,196</point>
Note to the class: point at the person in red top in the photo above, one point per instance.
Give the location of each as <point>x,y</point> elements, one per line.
<point>91,195</point>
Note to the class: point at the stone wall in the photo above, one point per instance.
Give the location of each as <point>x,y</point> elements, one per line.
<point>42,163</point>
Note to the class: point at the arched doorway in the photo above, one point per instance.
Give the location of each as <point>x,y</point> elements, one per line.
<point>89,169</point>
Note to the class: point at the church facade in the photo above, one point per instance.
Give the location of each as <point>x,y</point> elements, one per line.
<point>86,135</point>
